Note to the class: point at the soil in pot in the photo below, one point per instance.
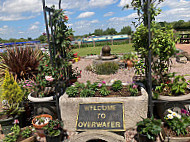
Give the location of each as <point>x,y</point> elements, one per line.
<point>171,133</point>
<point>144,138</point>
<point>187,91</point>
<point>121,93</point>
<point>53,138</point>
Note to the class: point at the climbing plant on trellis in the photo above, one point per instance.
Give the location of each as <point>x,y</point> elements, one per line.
<point>58,35</point>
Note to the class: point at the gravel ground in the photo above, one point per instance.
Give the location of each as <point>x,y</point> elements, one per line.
<point>125,75</point>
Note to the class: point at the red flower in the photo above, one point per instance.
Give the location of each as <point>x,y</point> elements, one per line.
<point>66,17</point>
<point>16,121</point>
<point>46,65</point>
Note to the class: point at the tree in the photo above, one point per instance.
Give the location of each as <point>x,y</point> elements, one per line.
<point>98,32</point>
<point>42,38</point>
<point>110,31</point>
<point>126,30</point>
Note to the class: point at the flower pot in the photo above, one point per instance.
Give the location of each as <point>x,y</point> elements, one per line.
<point>168,102</point>
<point>44,105</point>
<point>129,63</point>
<point>7,124</point>
<point>53,138</point>
<point>40,126</point>
<point>39,129</point>
<point>72,80</point>
<point>144,138</point>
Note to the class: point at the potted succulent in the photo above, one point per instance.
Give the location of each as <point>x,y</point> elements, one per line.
<point>12,97</point>
<point>176,126</point>
<point>53,131</point>
<point>148,129</point>
<point>26,134</point>
<point>172,91</point>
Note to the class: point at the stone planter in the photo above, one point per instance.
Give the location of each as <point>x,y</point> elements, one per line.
<point>168,102</point>
<point>43,105</point>
<point>134,108</point>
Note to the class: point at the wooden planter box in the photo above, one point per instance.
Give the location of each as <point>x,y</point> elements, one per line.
<point>30,139</point>
<point>134,107</point>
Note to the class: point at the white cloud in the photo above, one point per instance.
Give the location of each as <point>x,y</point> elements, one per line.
<point>33,27</point>
<point>101,3</point>
<point>175,10</point>
<point>94,21</point>
<point>86,14</point>
<point>37,23</point>
<point>108,14</point>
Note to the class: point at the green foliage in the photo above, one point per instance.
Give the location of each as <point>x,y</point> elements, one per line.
<point>13,138</point>
<point>179,85</point>
<point>117,85</point>
<point>104,91</point>
<point>53,128</point>
<point>21,62</point>
<point>13,94</point>
<point>87,93</point>
<point>72,91</point>
<point>133,89</point>
<point>130,56</point>
<point>175,87</point>
<point>179,126</point>
<point>140,67</point>
<point>149,127</point>
<point>106,68</point>
<point>26,133</point>
<point>126,30</point>
<point>17,132</point>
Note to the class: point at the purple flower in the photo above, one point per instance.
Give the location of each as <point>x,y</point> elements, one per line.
<point>184,111</point>
<point>103,82</point>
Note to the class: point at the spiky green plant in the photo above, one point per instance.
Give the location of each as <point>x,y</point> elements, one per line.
<point>21,62</point>
<point>12,96</point>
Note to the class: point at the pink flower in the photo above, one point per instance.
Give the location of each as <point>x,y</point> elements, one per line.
<point>49,78</point>
<point>27,84</point>
<point>99,85</point>
<point>134,86</point>
<point>16,121</point>
<point>103,82</point>
<point>24,86</point>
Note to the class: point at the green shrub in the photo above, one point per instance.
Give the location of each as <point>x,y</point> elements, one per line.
<point>117,85</point>
<point>106,68</point>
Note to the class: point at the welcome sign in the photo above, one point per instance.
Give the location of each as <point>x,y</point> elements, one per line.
<point>100,116</point>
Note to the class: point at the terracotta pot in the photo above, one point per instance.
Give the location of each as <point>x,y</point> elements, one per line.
<point>40,126</point>
<point>129,63</point>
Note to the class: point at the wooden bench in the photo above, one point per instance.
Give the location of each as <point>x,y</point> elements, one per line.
<point>185,38</point>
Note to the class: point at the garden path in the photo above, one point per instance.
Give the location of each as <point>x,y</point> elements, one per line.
<point>184,47</point>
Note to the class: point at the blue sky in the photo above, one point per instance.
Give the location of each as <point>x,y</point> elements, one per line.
<point>24,18</point>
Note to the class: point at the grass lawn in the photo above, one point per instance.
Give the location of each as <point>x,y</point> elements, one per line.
<point>124,48</point>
